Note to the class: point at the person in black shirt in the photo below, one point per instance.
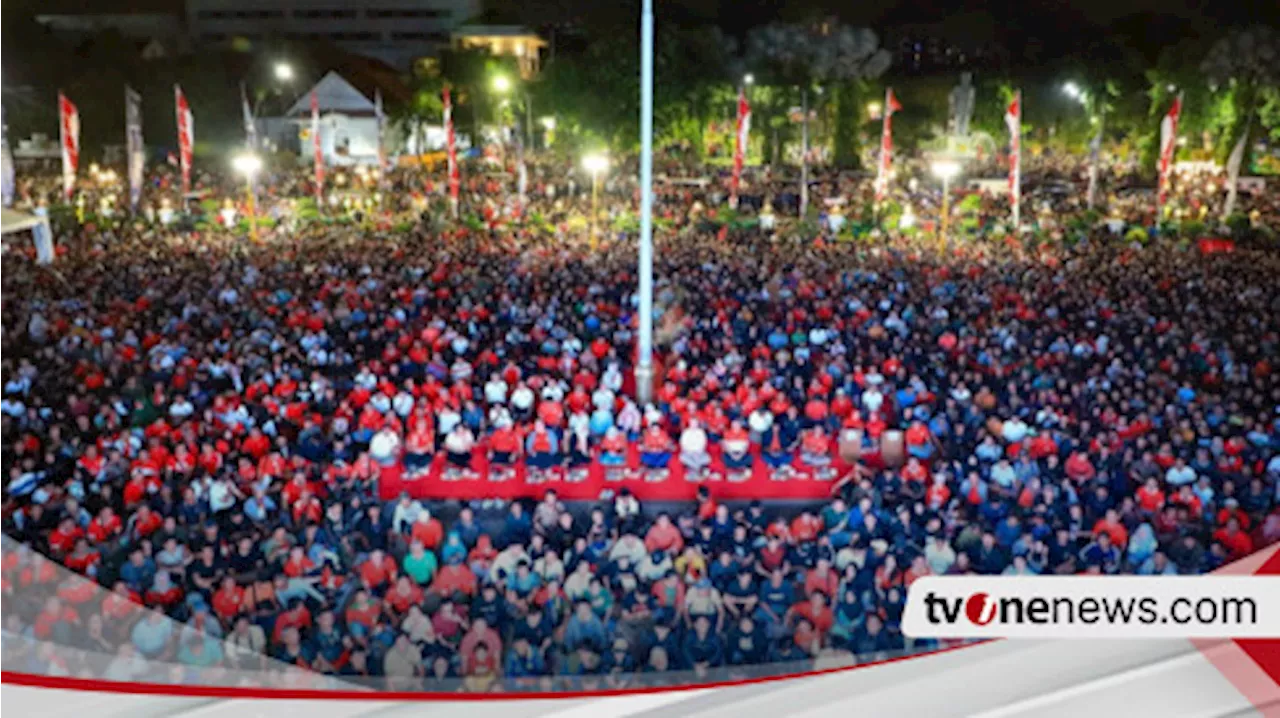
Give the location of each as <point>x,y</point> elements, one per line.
<point>747,643</point>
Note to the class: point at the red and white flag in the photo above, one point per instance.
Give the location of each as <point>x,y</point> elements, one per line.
<point>316,151</point>
<point>1013,118</point>
<point>891,105</point>
<point>740,146</point>
<point>1168,147</point>
<point>69,129</point>
<point>186,136</point>
<point>451,151</point>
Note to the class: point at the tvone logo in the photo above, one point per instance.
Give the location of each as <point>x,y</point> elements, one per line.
<point>980,609</point>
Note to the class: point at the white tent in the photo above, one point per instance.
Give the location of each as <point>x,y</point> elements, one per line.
<point>15,222</point>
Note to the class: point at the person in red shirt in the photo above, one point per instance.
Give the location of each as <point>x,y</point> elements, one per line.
<point>504,445</point>
<point>1150,497</point>
<point>454,579</point>
<point>1110,524</point>
<point>54,620</point>
<point>806,527</point>
<point>229,600</point>
<point>64,538</point>
<point>428,530</point>
<point>822,579</point>
<point>1236,542</point>
<point>816,612</point>
<point>378,569</point>
<point>815,448</point>
<point>663,536</point>
<point>406,593</point>
<point>655,448</point>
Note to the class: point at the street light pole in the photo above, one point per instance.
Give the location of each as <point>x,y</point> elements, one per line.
<point>804,152</point>
<point>595,212</point>
<point>644,363</point>
<point>946,213</point>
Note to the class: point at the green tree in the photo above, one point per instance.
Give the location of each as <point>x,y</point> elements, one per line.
<point>1245,65</point>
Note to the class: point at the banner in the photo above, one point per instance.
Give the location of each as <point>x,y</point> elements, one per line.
<point>452,152</point>
<point>69,129</point>
<point>250,126</point>
<point>316,151</point>
<point>740,146</point>
<point>381,120</point>
<point>7,181</point>
<point>1233,170</point>
<point>186,136</point>
<point>1168,147</point>
<point>1013,118</point>
<point>135,151</point>
<point>891,106</point>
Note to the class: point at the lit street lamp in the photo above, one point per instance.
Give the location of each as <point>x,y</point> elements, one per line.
<point>501,83</point>
<point>283,71</point>
<point>945,170</point>
<point>748,79</point>
<point>595,164</point>
<point>248,165</point>
<point>1072,90</point>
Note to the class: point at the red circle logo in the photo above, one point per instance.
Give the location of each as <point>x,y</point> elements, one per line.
<point>980,609</point>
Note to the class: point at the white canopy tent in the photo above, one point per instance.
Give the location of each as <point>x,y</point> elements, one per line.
<point>15,222</point>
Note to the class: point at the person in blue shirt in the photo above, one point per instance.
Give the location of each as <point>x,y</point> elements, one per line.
<point>584,629</point>
<point>523,660</point>
<point>747,644</point>
<point>702,647</point>
<point>776,596</point>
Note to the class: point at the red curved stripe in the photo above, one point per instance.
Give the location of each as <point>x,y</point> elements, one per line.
<point>196,691</point>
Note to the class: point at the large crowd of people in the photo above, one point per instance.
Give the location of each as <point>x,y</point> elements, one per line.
<point>198,425</point>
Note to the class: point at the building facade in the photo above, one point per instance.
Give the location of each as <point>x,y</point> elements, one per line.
<point>393,31</point>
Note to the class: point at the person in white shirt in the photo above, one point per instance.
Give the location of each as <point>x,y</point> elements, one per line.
<point>458,444</point>
<point>495,391</point>
<point>760,422</point>
<point>872,399</point>
<point>693,447</point>
<point>522,401</point>
<point>402,404</point>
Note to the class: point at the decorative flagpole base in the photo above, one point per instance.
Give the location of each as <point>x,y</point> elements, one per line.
<point>644,384</point>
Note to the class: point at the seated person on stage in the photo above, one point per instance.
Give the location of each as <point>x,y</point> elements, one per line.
<point>775,450</point>
<point>737,447</point>
<point>693,447</point>
<point>815,448</point>
<point>504,446</point>
<point>419,443</point>
<point>655,448</point>
<point>458,444</point>
<point>543,446</point>
<point>580,445</point>
<point>613,448</point>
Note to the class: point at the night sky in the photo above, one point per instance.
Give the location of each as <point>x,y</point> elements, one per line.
<point>1054,26</point>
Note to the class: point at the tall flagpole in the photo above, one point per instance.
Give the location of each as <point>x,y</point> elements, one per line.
<point>644,364</point>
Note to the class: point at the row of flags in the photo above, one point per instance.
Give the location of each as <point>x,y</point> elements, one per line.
<point>135,151</point>
<point>69,133</point>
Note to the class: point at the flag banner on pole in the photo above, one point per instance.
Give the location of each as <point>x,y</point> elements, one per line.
<point>1013,118</point>
<point>1168,147</point>
<point>891,105</point>
<point>451,151</point>
<point>186,136</point>
<point>250,126</point>
<point>8,181</point>
<point>69,128</point>
<point>381,120</point>
<point>740,145</point>
<point>316,150</point>
<point>135,151</point>
<point>1233,170</point>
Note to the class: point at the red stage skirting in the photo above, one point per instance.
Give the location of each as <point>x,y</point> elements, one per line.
<point>590,481</point>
